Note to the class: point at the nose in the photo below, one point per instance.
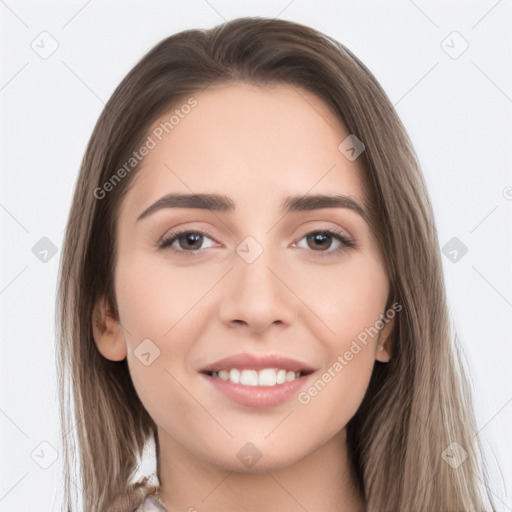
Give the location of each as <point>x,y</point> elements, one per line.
<point>258,296</point>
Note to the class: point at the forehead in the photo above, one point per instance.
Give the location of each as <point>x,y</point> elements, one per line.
<point>248,142</point>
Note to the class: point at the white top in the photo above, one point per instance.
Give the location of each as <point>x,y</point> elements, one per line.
<point>150,504</point>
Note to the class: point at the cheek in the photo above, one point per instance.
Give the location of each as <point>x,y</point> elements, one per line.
<point>350,302</point>
<point>156,300</point>
<point>333,396</point>
<point>162,310</point>
<point>347,300</point>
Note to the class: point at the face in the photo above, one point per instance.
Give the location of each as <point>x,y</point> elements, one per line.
<point>291,295</point>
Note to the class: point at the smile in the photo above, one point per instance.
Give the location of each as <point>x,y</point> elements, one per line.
<point>264,377</point>
<point>257,380</point>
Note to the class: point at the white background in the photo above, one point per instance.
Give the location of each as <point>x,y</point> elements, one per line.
<point>458,113</point>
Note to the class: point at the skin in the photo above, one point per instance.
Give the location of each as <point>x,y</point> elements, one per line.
<point>257,146</point>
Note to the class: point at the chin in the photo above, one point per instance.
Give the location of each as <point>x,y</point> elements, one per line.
<point>252,458</point>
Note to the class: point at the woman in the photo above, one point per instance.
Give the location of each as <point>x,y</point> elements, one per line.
<point>251,278</point>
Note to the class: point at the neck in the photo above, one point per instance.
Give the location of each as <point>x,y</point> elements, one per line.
<point>323,481</point>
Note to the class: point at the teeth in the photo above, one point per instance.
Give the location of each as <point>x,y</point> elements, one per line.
<point>267,377</point>
<point>234,375</point>
<point>249,377</point>
<point>290,376</point>
<point>264,377</point>
<point>281,376</point>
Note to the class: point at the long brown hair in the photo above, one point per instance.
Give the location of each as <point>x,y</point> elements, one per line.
<point>416,405</point>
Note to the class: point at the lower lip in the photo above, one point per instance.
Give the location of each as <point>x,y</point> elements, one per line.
<point>257,396</point>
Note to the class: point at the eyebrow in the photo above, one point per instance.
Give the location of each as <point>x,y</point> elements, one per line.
<point>222,203</point>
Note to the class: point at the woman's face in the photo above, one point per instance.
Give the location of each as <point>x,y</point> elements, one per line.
<point>257,279</point>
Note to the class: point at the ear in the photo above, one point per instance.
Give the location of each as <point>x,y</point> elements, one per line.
<point>385,342</point>
<point>107,331</point>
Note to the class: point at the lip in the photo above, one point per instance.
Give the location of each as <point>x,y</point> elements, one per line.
<point>258,396</point>
<point>248,361</point>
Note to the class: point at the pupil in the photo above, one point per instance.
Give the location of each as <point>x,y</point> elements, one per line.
<point>191,238</point>
<point>319,237</point>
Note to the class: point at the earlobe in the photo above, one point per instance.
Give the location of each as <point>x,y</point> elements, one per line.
<point>385,343</point>
<point>107,332</point>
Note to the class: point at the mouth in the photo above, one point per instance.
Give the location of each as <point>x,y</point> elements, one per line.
<point>257,380</point>
<point>253,377</point>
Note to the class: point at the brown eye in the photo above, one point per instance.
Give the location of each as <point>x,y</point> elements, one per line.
<point>322,241</point>
<point>185,241</point>
<point>190,241</point>
<point>319,241</point>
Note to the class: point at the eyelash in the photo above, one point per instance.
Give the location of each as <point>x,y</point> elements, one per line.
<point>346,243</point>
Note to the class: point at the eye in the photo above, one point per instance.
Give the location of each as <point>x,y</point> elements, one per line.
<point>185,241</point>
<point>322,241</point>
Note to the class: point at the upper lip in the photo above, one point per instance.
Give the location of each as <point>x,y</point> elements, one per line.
<point>258,362</point>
